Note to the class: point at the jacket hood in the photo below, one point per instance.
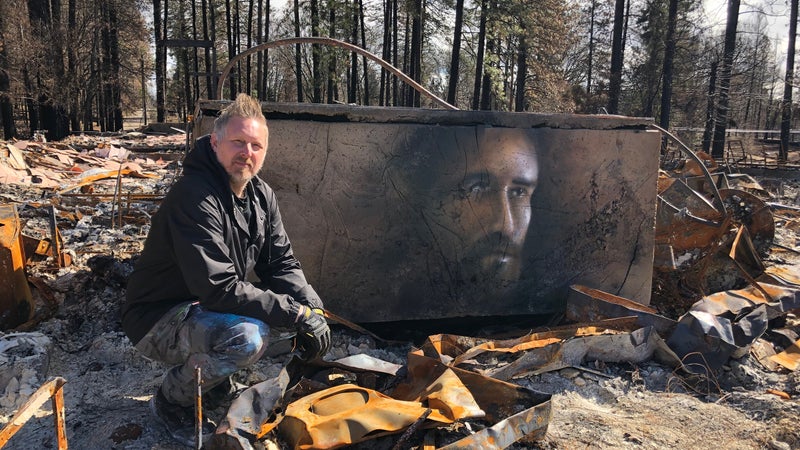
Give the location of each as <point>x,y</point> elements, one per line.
<point>202,161</point>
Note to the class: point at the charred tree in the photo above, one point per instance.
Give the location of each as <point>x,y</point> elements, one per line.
<point>723,99</point>
<point>112,102</point>
<point>669,57</point>
<point>708,131</point>
<point>72,61</point>
<point>45,18</point>
<point>260,55</point>
<point>591,50</point>
<point>352,85</point>
<point>486,82</point>
<point>383,93</point>
<point>6,105</point>
<point>161,51</point>
<point>316,55</point>
<point>195,58</point>
<point>229,32</point>
<point>455,56</point>
<point>522,73</point>
<point>267,13</point>
<point>396,54</point>
<point>617,58</point>
<point>365,68</point>
<point>786,105</point>
<point>298,62</point>
<point>415,55</point>
<point>332,91</point>
<point>476,92</point>
<point>249,63</point>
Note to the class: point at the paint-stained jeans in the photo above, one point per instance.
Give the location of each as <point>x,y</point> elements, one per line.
<point>190,336</point>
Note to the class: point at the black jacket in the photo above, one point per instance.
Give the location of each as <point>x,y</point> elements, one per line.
<point>200,248</point>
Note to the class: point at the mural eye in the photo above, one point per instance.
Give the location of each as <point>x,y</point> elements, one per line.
<point>474,190</point>
<point>519,192</point>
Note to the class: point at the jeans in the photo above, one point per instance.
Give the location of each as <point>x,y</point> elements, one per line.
<point>189,336</point>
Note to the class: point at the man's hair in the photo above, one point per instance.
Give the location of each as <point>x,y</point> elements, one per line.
<point>244,106</point>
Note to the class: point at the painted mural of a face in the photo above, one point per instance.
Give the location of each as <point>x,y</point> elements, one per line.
<point>473,208</point>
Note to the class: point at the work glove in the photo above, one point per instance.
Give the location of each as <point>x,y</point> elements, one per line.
<point>313,333</point>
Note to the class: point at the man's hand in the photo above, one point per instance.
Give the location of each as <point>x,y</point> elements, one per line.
<point>313,333</point>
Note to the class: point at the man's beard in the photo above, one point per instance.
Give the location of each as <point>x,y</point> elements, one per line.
<point>240,178</point>
<point>243,177</point>
<point>490,265</point>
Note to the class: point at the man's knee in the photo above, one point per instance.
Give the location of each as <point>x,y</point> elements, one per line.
<point>243,342</point>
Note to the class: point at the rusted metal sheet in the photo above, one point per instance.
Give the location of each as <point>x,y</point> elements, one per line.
<point>782,275</point>
<point>517,413</point>
<point>789,358</point>
<point>432,393</point>
<point>724,325</point>
<point>349,414</point>
<point>585,304</point>
<point>404,214</point>
<point>551,350</point>
<point>16,302</point>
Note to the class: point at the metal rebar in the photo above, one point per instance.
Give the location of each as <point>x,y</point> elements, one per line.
<point>198,408</point>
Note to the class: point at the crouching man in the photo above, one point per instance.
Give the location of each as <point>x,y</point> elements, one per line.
<point>190,299</point>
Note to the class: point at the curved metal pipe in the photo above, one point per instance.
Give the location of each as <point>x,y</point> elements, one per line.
<point>335,43</point>
<point>717,197</point>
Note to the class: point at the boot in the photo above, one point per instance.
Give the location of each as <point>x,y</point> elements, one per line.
<point>178,420</point>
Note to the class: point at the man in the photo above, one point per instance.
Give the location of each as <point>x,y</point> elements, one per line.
<point>217,271</point>
<point>470,196</point>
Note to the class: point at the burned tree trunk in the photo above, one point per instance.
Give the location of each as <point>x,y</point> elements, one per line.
<point>669,56</point>
<point>316,55</point>
<point>617,58</point>
<point>476,96</point>
<point>298,63</point>
<point>45,17</point>
<point>786,106</point>
<point>522,73</point>
<point>6,106</point>
<point>455,56</point>
<point>160,58</point>
<point>332,91</point>
<point>416,51</point>
<point>708,131</point>
<point>721,119</point>
<point>364,58</point>
<point>352,89</point>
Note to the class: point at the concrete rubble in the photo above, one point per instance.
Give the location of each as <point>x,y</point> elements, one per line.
<point>715,355</point>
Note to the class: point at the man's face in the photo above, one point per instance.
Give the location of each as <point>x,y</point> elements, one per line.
<point>241,149</point>
<point>481,217</point>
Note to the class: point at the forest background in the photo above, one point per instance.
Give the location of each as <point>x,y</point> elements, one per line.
<point>87,65</point>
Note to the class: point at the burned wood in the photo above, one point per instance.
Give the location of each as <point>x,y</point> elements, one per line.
<point>55,238</point>
<point>406,436</point>
<point>50,390</point>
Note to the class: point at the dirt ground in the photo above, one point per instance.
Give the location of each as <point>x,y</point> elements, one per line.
<point>108,385</point>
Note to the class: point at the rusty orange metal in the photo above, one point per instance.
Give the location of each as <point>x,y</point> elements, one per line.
<point>785,276</point>
<point>588,304</point>
<point>789,358</point>
<point>348,414</point>
<point>517,413</point>
<point>752,212</point>
<point>16,301</point>
<point>53,390</point>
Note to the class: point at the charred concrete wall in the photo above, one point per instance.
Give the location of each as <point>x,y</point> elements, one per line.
<point>401,214</point>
